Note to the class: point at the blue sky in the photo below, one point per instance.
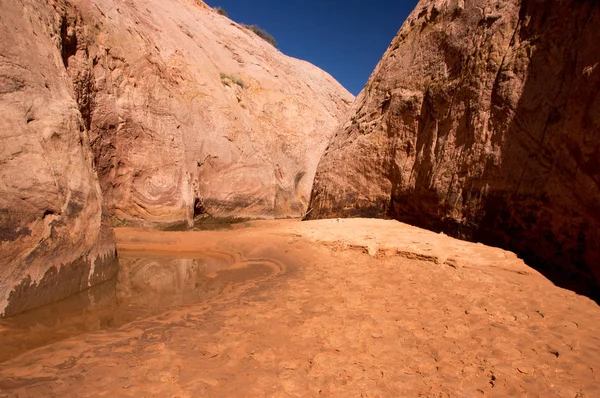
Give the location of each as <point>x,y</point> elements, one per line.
<point>344,37</point>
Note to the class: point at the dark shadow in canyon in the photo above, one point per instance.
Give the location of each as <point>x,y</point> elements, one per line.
<point>542,200</point>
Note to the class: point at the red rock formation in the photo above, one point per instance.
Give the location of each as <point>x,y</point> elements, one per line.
<point>53,241</point>
<point>192,113</point>
<point>155,111</point>
<point>482,119</point>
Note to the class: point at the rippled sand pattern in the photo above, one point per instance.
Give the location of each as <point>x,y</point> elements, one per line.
<point>357,308</point>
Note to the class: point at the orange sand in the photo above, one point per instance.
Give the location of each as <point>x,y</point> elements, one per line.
<point>348,308</point>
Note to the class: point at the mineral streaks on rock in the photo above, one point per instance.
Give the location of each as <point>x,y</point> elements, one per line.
<point>482,119</point>
<point>53,241</point>
<point>147,112</point>
<point>191,113</point>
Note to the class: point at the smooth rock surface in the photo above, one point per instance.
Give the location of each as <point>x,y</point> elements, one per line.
<point>53,241</point>
<point>482,120</point>
<point>147,113</point>
<point>190,113</point>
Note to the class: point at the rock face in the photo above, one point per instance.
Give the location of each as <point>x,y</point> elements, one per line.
<point>147,112</point>
<point>53,241</point>
<point>483,120</point>
<point>190,113</point>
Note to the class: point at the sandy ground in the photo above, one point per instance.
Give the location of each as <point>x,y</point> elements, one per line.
<point>340,308</point>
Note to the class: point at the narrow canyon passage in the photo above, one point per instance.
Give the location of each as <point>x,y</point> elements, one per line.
<point>321,308</point>
<point>124,122</point>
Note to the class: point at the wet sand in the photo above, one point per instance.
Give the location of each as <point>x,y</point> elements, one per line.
<point>149,282</point>
<point>365,308</point>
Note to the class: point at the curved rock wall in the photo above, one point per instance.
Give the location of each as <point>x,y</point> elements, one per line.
<point>53,240</point>
<point>151,113</point>
<point>482,120</point>
<point>191,113</point>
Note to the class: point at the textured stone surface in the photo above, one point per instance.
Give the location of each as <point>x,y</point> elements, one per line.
<point>190,112</point>
<point>482,119</point>
<point>53,241</point>
<point>146,112</point>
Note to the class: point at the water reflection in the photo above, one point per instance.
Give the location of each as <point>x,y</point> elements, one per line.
<point>144,287</point>
<point>162,283</point>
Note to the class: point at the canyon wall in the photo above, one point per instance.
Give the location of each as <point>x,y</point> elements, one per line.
<point>141,112</point>
<point>54,240</point>
<point>191,114</point>
<point>482,120</point>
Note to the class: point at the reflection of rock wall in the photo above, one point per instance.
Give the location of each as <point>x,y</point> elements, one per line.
<point>482,119</point>
<point>167,281</point>
<point>161,276</point>
<point>53,239</point>
<point>164,282</point>
<point>164,275</point>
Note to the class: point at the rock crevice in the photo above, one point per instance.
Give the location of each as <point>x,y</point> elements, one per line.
<point>54,239</point>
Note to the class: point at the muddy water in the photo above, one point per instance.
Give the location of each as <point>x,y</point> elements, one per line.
<point>146,286</point>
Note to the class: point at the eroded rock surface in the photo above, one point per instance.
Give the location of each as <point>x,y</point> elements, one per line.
<point>146,112</point>
<point>53,241</point>
<point>482,119</point>
<point>191,113</point>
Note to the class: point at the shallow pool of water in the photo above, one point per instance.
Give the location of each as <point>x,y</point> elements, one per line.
<point>145,286</point>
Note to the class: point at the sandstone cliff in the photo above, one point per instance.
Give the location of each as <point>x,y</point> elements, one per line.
<point>53,241</point>
<point>191,113</point>
<point>146,112</point>
<point>482,119</point>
